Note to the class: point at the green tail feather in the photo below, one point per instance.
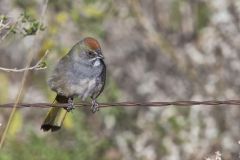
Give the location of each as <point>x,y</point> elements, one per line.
<point>54,119</point>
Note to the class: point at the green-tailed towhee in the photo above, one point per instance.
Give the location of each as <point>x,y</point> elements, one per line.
<point>80,73</point>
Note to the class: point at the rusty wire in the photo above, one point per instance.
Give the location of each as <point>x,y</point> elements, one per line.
<point>129,104</point>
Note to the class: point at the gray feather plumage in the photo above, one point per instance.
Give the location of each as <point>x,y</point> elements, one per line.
<point>76,76</point>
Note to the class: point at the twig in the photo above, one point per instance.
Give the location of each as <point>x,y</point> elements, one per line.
<point>20,91</point>
<point>9,31</point>
<point>128,104</point>
<point>4,26</point>
<point>38,66</point>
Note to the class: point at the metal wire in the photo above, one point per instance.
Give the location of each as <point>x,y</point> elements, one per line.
<point>129,104</point>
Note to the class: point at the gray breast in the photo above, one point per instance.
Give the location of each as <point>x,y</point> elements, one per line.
<point>76,79</point>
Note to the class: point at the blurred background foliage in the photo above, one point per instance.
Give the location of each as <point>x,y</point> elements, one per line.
<point>155,50</point>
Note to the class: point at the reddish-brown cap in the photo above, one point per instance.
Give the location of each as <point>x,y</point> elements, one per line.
<point>91,43</point>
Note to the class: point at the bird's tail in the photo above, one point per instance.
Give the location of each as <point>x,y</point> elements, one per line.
<point>55,116</point>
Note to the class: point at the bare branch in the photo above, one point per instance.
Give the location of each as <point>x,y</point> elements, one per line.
<point>38,66</point>
<point>25,73</point>
<point>7,26</point>
<point>4,26</point>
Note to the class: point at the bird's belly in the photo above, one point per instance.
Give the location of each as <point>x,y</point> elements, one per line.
<point>83,88</point>
<point>82,83</point>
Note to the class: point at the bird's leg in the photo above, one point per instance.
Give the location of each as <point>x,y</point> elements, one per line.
<point>95,106</point>
<point>70,105</point>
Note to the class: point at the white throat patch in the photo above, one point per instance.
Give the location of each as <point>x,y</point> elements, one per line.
<point>97,63</point>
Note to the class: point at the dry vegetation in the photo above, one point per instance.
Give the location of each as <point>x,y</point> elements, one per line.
<point>155,50</point>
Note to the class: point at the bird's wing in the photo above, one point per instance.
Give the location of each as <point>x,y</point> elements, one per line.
<point>100,82</point>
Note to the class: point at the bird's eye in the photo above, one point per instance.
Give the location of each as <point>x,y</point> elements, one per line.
<point>90,53</point>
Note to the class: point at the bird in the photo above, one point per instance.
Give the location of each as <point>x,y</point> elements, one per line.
<point>80,73</point>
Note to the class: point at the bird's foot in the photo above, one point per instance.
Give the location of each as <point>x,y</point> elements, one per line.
<point>95,106</point>
<point>70,105</point>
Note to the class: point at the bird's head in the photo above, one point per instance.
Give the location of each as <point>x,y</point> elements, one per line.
<point>90,49</point>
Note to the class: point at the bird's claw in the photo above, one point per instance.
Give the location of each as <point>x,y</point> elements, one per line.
<point>95,106</point>
<point>70,105</point>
